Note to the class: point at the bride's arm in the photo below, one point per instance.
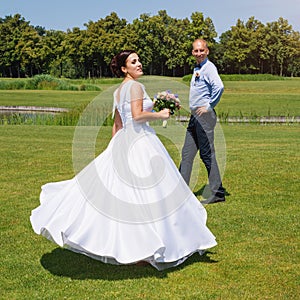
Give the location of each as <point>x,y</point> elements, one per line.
<point>117,123</point>
<point>138,114</point>
<point>141,116</point>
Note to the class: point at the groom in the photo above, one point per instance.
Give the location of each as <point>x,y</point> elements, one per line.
<point>206,89</point>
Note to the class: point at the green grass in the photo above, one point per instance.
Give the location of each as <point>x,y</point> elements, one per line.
<point>103,83</point>
<point>240,98</point>
<point>261,98</point>
<point>246,77</point>
<point>257,229</point>
<point>252,77</point>
<point>46,98</point>
<point>257,256</point>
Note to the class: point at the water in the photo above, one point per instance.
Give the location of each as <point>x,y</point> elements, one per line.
<point>23,116</point>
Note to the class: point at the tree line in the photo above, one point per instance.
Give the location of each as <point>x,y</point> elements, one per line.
<point>163,43</point>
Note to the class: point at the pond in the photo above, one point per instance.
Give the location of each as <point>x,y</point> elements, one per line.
<point>29,115</point>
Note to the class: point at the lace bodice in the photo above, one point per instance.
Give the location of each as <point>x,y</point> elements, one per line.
<point>127,92</point>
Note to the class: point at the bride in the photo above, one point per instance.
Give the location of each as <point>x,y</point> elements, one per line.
<point>130,204</point>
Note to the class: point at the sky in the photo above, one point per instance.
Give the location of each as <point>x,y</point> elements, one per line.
<point>66,14</point>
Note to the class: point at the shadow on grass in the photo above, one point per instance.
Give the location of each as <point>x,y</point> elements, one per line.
<point>201,190</point>
<point>62,262</point>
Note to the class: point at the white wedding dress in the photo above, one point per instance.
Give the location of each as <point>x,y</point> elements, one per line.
<point>129,204</point>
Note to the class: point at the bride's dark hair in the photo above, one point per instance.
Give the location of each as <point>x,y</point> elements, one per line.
<point>119,61</point>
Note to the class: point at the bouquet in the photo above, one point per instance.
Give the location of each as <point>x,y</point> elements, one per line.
<point>168,100</point>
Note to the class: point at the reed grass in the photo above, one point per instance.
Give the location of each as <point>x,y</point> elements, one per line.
<point>46,82</point>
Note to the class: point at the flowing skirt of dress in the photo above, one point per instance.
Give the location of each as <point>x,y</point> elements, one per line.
<point>129,204</point>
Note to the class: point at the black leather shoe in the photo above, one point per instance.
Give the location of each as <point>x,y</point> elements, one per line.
<point>213,199</point>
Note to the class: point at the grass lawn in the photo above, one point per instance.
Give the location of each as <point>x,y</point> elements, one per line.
<point>64,99</point>
<point>240,98</point>
<point>257,229</point>
<point>261,98</point>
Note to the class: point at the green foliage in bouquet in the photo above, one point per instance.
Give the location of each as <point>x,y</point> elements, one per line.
<point>168,100</point>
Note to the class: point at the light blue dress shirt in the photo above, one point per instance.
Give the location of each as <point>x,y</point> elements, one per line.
<point>206,86</point>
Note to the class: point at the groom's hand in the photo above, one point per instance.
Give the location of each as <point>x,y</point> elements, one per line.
<point>201,110</point>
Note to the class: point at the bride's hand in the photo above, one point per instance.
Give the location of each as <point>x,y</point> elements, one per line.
<point>164,114</point>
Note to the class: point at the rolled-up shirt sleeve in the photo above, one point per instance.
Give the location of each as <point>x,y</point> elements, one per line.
<point>216,87</point>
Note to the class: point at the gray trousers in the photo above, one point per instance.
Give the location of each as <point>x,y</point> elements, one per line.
<point>200,136</point>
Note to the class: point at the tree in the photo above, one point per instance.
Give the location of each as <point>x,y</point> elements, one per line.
<point>278,46</point>
<point>199,28</point>
<point>147,37</point>
<point>293,62</point>
<point>238,46</point>
<point>29,48</point>
<point>253,61</point>
<point>77,50</point>
<point>175,44</point>
<point>11,30</point>
<point>56,61</point>
<point>163,43</point>
<point>104,39</point>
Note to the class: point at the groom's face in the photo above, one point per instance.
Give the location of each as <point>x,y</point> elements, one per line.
<point>200,51</point>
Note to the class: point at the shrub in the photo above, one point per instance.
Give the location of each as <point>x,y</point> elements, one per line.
<point>47,85</point>
<point>41,81</point>
<point>88,87</point>
<point>48,82</point>
<point>17,84</point>
<point>65,86</point>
